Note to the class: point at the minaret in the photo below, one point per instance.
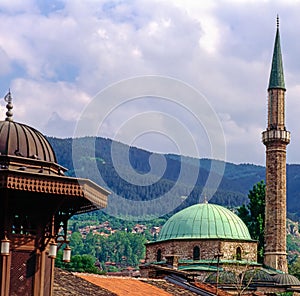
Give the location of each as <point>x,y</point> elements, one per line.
<point>276,138</point>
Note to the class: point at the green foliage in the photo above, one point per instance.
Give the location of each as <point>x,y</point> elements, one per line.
<point>79,263</point>
<point>121,247</point>
<point>285,294</point>
<point>294,268</point>
<point>293,249</point>
<point>83,263</point>
<point>76,243</point>
<point>253,214</point>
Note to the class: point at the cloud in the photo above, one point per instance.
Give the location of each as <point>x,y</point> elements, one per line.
<point>57,55</point>
<point>17,6</point>
<point>36,101</point>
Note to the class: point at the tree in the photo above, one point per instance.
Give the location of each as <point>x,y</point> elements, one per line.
<point>89,244</point>
<point>76,243</point>
<point>83,263</point>
<point>294,268</point>
<point>79,263</point>
<point>253,214</point>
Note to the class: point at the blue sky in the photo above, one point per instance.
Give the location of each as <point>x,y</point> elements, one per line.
<point>56,56</point>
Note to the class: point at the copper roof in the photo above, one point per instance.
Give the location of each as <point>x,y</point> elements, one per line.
<point>204,221</point>
<point>18,139</point>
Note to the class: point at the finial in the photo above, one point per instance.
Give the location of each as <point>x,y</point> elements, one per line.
<point>277,21</point>
<point>9,106</point>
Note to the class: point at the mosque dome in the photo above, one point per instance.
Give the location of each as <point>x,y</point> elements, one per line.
<point>204,221</point>
<point>20,140</point>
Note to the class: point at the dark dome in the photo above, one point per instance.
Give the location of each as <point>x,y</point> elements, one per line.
<point>18,139</point>
<point>286,279</point>
<point>223,277</point>
<point>257,275</point>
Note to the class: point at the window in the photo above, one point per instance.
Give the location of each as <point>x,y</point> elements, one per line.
<point>238,253</point>
<point>196,253</point>
<point>158,255</point>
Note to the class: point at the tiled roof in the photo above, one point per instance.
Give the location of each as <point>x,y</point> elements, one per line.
<point>124,286</point>
<point>67,284</point>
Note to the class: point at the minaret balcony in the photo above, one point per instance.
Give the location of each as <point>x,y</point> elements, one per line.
<point>276,136</point>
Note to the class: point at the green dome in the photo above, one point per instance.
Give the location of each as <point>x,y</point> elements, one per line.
<point>204,221</point>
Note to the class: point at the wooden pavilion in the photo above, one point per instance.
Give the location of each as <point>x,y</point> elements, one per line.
<point>36,201</point>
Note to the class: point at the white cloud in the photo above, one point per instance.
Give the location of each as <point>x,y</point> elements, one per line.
<point>35,101</point>
<point>56,57</point>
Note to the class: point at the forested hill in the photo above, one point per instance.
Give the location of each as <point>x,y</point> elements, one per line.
<point>132,162</point>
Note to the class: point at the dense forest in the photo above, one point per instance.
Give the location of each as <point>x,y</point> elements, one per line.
<point>107,162</point>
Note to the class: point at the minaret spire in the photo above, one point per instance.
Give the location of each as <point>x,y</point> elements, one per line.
<point>276,77</point>
<point>276,138</point>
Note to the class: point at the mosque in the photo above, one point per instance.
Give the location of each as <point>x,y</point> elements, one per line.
<point>211,242</point>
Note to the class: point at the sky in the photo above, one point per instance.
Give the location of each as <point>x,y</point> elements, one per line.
<point>209,63</point>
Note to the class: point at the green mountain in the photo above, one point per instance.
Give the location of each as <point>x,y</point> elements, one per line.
<point>127,172</point>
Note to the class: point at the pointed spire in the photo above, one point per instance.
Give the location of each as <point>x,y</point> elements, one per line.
<point>276,76</point>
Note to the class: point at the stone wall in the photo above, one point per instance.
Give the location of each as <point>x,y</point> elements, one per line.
<point>208,249</point>
<point>248,250</point>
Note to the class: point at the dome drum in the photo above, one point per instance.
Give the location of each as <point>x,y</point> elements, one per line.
<point>18,163</point>
<point>208,249</point>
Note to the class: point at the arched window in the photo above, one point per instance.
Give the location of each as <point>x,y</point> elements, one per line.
<point>196,253</point>
<point>238,253</point>
<point>158,255</point>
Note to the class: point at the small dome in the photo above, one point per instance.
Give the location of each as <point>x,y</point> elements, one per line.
<point>285,279</point>
<point>18,139</point>
<point>204,221</point>
<point>223,277</point>
<point>257,275</point>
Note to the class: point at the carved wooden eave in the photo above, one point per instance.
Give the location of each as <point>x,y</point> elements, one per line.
<point>84,192</point>
<point>34,165</point>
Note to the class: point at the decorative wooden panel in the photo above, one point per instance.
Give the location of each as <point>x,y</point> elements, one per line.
<point>22,273</point>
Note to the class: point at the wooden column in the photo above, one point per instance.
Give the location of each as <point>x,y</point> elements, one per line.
<point>5,275</point>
